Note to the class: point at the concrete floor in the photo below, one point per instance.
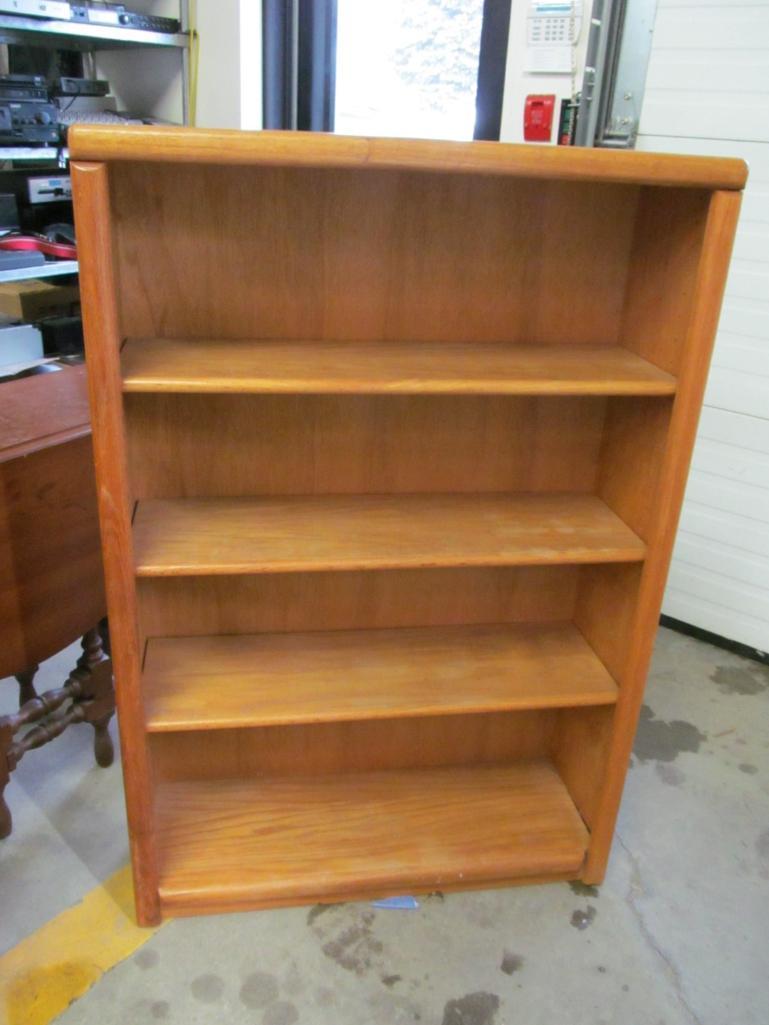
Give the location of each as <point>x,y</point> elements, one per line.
<point>676,934</point>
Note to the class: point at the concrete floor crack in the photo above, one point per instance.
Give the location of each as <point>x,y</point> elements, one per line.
<point>635,889</point>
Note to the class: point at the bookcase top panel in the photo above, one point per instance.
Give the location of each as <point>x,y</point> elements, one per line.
<point>312,149</point>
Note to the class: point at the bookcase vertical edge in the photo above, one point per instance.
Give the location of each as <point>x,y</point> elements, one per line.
<point>90,183</point>
<point>716,251</point>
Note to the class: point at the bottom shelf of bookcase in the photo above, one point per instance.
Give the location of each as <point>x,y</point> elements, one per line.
<point>234,844</point>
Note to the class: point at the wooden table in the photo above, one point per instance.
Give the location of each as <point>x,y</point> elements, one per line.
<point>51,582</point>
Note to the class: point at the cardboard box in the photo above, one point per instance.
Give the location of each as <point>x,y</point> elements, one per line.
<point>31,300</point>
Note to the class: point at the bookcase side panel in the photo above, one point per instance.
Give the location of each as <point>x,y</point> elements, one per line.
<point>662,278</point>
<point>704,309</point>
<point>604,612</point>
<point>633,450</point>
<point>99,288</point>
<point>580,745</point>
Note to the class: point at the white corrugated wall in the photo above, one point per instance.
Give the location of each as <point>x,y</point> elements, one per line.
<point>707,92</point>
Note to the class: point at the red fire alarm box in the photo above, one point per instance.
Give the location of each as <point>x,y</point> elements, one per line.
<point>538,118</point>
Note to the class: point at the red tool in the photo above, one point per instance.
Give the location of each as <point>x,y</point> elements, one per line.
<point>61,250</point>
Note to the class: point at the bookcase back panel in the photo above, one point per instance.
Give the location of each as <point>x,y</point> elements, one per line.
<point>667,248</point>
<point>632,455</point>
<point>176,607</point>
<point>224,446</point>
<point>613,587</point>
<point>352,746</point>
<point>261,252</point>
<point>580,745</point>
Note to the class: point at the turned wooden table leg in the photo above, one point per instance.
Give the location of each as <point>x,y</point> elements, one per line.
<point>99,695</point>
<point>47,715</point>
<point>25,680</point>
<point>6,739</point>
<point>86,696</point>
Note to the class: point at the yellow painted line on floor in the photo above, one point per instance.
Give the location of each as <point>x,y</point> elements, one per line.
<point>42,975</point>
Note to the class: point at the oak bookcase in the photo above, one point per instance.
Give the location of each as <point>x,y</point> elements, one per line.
<point>391,439</point>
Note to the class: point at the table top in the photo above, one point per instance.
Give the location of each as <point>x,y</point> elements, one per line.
<point>43,410</point>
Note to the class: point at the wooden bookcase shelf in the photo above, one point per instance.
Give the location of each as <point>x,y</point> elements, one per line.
<point>398,368</point>
<point>323,836</point>
<point>198,683</point>
<point>191,536</point>
<point>390,461</point>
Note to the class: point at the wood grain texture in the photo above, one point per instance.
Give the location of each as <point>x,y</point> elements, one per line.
<point>217,146</point>
<point>249,535</point>
<point>375,492</point>
<point>268,603</point>
<point>365,745</point>
<point>266,367</point>
<point>91,194</point>
<point>634,445</point>
<point>667,243</point>
<point>324,836</point>
<point>334,255</point>
<point>43,410</point>
<point>328,444</point>
<point>51,579</point>
<point>199,907</point>
<point>612,587</point>
<point>51,591</point>
<point>695,357</point>
<point>579,752</point>
<point>221,682</point>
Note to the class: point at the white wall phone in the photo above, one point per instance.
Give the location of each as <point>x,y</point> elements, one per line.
<point>553,22</point>
<point>552,30</point>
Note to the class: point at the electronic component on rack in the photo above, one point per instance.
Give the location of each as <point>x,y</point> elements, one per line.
<point>101,13</point>
<point>58,10</point>
<point>9,212</point>
<point>23,87</point>
<point>149,22</point>
<point>27,118</point>
<point>68,86</point>
<point>47,189</point>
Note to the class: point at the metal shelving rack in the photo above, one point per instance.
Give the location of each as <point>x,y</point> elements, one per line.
<point>72,35</point>
<point>44,270</point>
<point>50,154</point>
<point>76,35</point>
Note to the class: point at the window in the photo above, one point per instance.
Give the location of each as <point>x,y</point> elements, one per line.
<point>407,67</point>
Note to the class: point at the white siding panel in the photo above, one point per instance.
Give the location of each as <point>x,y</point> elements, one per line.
<point>718,591</point>
<point>752,242</point>
<point>732,389</point>
<point>678,4</point>
<point>732,463</point>
<point>733,429</point>
<point>708,93</point>
<point>755,153</point>
<point>755,202</point>
<point>721,28</point>
<point>744,567</point>
<point>729,532</point>
<point>682,73</point>
<point>709,72</point>
<point>724,117</point>
<point>742,353</point>
<point>744,319</point>
<point>748,280</point>
<point>690,607</point>
<point>730,496</point>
